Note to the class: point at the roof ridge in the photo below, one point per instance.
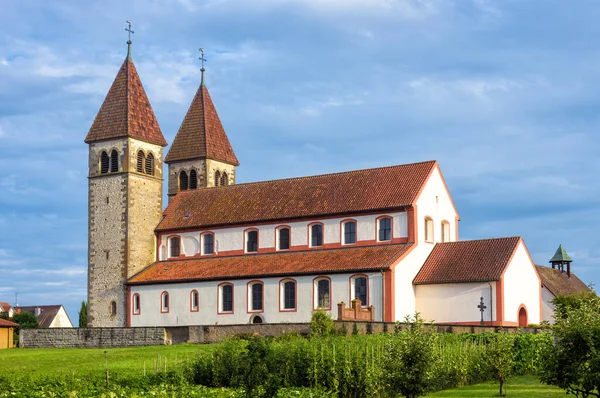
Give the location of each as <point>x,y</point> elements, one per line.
<point>313,176</point>
<point>480,240</point>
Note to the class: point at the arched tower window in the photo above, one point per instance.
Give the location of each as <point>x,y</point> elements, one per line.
<point>193,179</point>
<point>113,308</point>
<point>114,161</point>
<point>217,178</point>
<point>224,179</point>
<point>104,162</point>
<point>140,162</point>
<point>150,164</point>
<point>183,181</point>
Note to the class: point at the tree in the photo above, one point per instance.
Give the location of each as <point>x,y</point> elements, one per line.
<point>26,320</point>
<point>409,359</point>
<point>573,359</point>
<point>83,313</point>
<point>321,324</point>
<point>501,358</point>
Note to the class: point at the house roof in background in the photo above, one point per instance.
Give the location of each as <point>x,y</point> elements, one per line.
<point>47,313</point>
<point>7,324</point>
<point>467,261</point>
<point>306,262</point>
<point>4,306</point>
<point>559,283</point>
<point>378,189</point>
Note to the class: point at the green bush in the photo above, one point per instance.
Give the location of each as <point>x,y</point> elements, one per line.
<point>321,324</point>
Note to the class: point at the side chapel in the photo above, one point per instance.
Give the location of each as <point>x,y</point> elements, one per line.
<point>275,251</point>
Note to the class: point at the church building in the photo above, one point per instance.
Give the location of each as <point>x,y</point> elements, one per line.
<point>224,252</point>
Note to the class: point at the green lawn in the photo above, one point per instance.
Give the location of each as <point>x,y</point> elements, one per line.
<point>57,361</point>
<point>518,387</point>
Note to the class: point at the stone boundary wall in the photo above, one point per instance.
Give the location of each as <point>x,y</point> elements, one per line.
<point>208,334</point>
<point>91,337</point>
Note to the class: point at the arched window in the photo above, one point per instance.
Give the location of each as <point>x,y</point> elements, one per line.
<point>208,243</point>
<point>150,164</point>
<point>287,295</point>
<point>226,298</point>
<point>385,229</point>
<point>217,178</point>
<point>251,241</point>
<point>349,232</point>
<point>114,161</point>
<point>175,246</point>
<point>445,231</point>
<point>164,302</point>
<point>283,238</point>
<point>257,319</point>
<point>359,288</point>
<point>322,289</point>
<point>136,304</point>
<point>140,162</point>
<point>194,301</point>
<point>316,235</point>
<point>113,308</point>
<point>183,181</point>
<point>428,229</point>
<point>104,162</point>
<point>193,179</point>
<point>224,179</point>
<point>255,296</point>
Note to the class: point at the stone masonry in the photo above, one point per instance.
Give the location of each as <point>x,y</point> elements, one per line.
<point>124,209</point>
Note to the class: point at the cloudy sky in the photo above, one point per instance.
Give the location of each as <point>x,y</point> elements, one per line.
<point>504,94</point>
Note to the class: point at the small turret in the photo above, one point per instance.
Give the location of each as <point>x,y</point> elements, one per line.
<point>560,259</point>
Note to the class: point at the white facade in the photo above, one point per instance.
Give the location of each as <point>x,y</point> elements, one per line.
<point>61,320</point>
<point>180,311</point>
<point>454,302</point>
<point>547,306</point>
<point>522,288</point>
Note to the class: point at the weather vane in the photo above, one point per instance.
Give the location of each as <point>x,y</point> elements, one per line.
<point>129,30</point>
<point>201,58</point>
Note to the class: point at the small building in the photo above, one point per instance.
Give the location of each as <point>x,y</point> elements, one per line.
<point>558,281</point>
<point>5,307</point>
<point>50,316</point>
<point>7,329</point>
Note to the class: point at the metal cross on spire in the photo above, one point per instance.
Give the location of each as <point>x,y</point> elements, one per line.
<point>482,308</point>
<point>203,60</point>
<point>129,31</point>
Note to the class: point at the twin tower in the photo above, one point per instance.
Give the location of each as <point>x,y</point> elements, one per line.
<point>126,184</point>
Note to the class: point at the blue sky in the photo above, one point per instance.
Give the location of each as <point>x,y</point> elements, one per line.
<point>504,94</point>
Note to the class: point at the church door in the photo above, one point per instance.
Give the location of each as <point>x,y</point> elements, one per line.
<point>522,317</point>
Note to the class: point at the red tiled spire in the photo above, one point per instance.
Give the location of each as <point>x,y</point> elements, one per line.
<point>201,134</point>
<point>126,111</point>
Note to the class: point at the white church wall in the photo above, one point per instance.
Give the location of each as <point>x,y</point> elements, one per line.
<point>547,306</point>
<point>435,202</point>
<point>231,240</point>
<point>521,286</point>
<point>179,297</point>
<point>456,302</point>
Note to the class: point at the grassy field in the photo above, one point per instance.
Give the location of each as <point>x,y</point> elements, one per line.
<point>518,387</point>
<point>58,361</point>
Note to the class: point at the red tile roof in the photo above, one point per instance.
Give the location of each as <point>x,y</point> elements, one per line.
<point>7,324</point>
<point>467,261</point>
<point>377,189</point>
<point>4,306</point>
<point>201,133</point>
<point>559,283</point>
<point>309,262</point>
<point>126,111</point>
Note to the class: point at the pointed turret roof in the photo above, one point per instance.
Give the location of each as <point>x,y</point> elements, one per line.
<point>561,255</point>
<point>201,134</point>
<point>126,111</point>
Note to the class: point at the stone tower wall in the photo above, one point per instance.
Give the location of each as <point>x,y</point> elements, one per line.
<point>124,209</point>
<point>212,166</point>
<point>187,165</point>
<point>107,242</point>
<point>144,208</point>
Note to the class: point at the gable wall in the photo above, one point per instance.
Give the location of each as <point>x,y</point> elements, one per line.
<point>61,320</point>
<point>521,286</point>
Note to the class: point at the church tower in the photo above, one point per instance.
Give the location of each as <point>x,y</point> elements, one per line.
<point>201,155</point>
<point>125,195</point>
